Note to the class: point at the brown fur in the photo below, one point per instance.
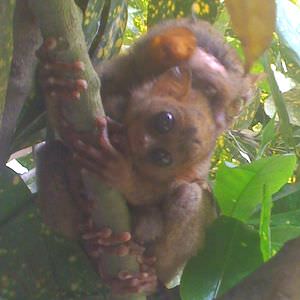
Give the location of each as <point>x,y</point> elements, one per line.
<point>183,67</point>
<point>155,75</point>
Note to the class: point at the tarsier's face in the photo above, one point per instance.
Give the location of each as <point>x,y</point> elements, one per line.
<point>167,133</point>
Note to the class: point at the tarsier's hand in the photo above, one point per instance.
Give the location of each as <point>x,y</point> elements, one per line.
<point>102,241</point>
<point>110,164</point>
<point>58,79</point>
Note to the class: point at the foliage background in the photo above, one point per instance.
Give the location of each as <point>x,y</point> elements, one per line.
<point>257,189</point>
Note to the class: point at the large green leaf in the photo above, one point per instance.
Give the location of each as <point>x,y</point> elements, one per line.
<point>109,39</point>
<point>91,20</point>
<point>39,265</point>
<point>285,220</point>
<point>288,26</point>
<point>6,47</point>
<point>239,190</point>
<point>285,223</point>
<point>159,10</point>
<point>14,194</point>
<point>231,252</point>
<point>264,228</point>
<point>34,263</point>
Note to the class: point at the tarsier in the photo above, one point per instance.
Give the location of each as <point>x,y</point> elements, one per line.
<point>167,100</point>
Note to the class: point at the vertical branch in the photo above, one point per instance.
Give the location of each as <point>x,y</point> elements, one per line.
<point>62,19</point>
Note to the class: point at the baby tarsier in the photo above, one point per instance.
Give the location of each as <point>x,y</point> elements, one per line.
<point>167,99</point>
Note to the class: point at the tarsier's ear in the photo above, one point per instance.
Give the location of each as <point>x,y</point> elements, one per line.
<point>175,82</point>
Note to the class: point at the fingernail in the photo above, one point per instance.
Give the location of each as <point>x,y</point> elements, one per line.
<point>79,65</point>
<point>82,84</point>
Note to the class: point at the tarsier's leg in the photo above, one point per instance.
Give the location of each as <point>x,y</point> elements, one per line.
<point>187,213</point>
<point>52,160</point>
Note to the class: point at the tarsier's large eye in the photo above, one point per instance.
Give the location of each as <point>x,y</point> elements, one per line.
<point>163,122</point>
<point>160,157</point>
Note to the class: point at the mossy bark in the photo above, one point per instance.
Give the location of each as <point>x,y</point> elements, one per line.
<point>62,19</point>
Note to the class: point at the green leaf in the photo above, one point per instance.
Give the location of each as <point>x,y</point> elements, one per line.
<point>34,132</point>
<point>288,26</point>
<point>264,228</point>
<point>281,109</point>
<point>34,263</point>
<point>91,19</point>
<point>159,10</point>
<point>14,194</point>
<point>6,47</point>
<point>109,41</point>
<point>231,252</point>
<point>239,190</point>
<point>247,115</point>
<point>285,223</point>
<point>268,134</point>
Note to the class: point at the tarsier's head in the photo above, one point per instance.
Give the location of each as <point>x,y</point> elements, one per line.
<point>173,121</point>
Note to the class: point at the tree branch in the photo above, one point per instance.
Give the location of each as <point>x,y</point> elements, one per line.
<point>62,19</point>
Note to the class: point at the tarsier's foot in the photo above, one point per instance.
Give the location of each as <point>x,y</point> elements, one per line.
<point>173,46</point>
<point>104,241</point>
<point>128,283</point>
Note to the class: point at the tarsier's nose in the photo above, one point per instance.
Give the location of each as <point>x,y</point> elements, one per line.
<point>145,141</point>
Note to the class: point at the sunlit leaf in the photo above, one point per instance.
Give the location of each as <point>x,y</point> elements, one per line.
<point>254,23</point>
<point>6,47</point>
<point>239,190</point>
<point>279,102</point>
<point>231,252</point>
<point>265,219</point>
<point>247,115</point>
<point>109,42</point>
<point>268,134</point>
<point>91,19</point>
<point>159,10</point>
